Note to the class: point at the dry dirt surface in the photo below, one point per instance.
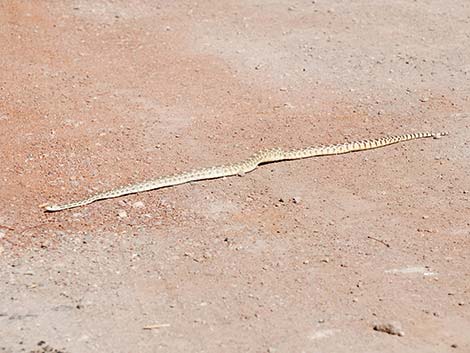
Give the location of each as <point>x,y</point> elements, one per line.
<point>363,252</point>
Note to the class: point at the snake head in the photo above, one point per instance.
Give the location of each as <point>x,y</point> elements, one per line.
<point>50,208</point>
<point>438,135</point>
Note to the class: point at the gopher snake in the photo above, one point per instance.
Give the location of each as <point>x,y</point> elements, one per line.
<point>245,166</point>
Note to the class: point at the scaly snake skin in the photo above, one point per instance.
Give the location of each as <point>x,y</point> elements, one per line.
<point>245,166</point>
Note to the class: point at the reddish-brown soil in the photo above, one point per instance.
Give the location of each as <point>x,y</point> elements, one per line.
<point>300,256</point>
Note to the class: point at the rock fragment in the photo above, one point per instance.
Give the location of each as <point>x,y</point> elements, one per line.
<point>138,204</point>
<point>392,328</point>
<point>122,214</point>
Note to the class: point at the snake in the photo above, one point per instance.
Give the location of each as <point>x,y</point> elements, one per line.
<point>245,166</point>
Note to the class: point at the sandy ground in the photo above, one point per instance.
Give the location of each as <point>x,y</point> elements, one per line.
<point>300,256</point>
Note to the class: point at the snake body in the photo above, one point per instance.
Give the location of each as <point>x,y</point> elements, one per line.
<point>245,166</point>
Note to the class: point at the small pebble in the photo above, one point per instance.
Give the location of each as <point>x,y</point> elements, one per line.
<point>138,204</point>
<point>288,105</point>
<point>122,214</point>
<point>392,328</point>
<point>296,199</point>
